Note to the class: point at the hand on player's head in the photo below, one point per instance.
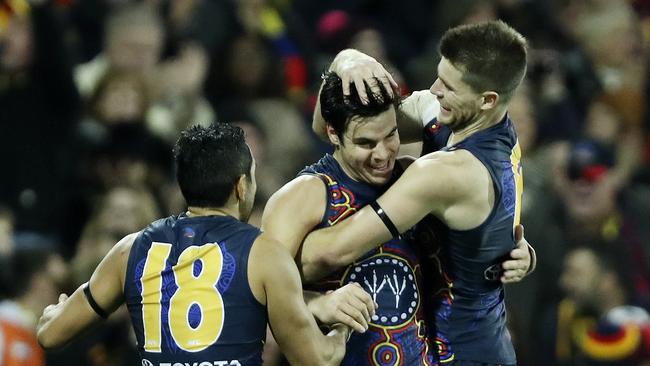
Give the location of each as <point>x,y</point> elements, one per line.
<point>364,70</point>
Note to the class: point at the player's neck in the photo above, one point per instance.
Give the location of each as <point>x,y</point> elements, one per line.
<point>346,169</point>
<point>193,211</point>
<point>483,121</point>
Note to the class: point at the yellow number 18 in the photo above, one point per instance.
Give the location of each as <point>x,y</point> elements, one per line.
<point>194,290</point>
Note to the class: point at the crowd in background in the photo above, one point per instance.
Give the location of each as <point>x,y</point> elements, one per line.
<point>93,94</point>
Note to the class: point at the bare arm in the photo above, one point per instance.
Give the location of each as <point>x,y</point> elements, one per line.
<point>290,214</point>
<point>60,323</point>
<point>275,281</point>
<point>432,184</point>
<point>318,124</point>
<point>410,199</point>
<point>295,210</point>
<point>415,111</point>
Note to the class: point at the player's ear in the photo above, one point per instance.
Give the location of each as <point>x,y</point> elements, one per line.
<point>490,100</point>
<point>240,188</point>
<point>332,136</point>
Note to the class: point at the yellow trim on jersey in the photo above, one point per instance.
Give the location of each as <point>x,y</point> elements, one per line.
<point>515,160</point>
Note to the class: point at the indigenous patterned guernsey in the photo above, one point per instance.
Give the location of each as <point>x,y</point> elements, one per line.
<point>187,291</point>
<point>471,314</point>
<point>390,274</point>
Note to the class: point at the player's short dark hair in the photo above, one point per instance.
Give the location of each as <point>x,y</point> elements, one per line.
<point>491,56</point>
<point>209,161</point>
<point>338,110</point>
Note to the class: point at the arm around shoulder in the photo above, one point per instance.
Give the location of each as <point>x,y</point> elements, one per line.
<point>328,249</point>
<point>295,210</point>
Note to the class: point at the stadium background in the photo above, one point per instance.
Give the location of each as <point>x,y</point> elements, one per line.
<point>94,92</point>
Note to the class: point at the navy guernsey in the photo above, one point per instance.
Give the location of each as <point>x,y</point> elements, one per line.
<point>188,295</point>
<point>390,274</point>
<point>471,315</point>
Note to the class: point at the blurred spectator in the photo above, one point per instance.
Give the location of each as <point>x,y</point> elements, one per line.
<point>134,41</point>
<point>606,125</point>
<point>595,323</point>
<point>280,121</point>
<point>266,121</point>
<point>38,106</point>
<point>522,295</point>
<point>121,154</point>
<point>589,208</point>
<point>248,69</point>
<point>282,32</point>
<point>19,346</point>
<point>119,97</point>
<point>406,25</point>
<point>6,231</point>
<point>114,136</point>
<point>338,30</point>
<point>123,210</point>
<point>6,249</point>
<point>207,22</point>
<point>37,276</point>
<point>611,35</point>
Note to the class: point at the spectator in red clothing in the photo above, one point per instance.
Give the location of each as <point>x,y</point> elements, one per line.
<point>595,324</point>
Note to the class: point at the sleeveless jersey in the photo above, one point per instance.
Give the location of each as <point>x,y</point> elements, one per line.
<point>187,292</point>
<point>390,274</point>
<point>470,313</point>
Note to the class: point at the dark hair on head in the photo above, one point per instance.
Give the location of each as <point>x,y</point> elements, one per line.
<point>491,56</point>
<point>338,110</point>
<point>209,161</point>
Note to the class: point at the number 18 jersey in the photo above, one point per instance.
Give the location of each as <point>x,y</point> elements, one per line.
<point>187,291</point>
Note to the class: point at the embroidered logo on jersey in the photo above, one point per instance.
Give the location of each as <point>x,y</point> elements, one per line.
<point>433,127</point>
<point>188,232</point>
<point>391,282</point>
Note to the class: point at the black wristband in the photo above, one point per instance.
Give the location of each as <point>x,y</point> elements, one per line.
<point>93,303</point>
<point>386,220</point>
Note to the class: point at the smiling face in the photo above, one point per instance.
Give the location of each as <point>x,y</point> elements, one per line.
<point>459,103</point>
<point>581,276</point>
<point>368,147</point>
